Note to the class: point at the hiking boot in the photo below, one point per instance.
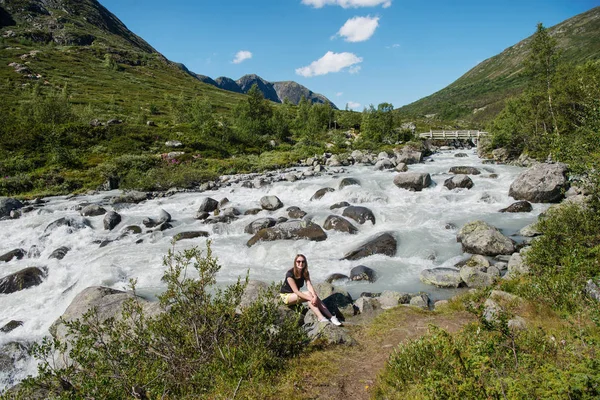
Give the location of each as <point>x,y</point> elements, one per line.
<point>335,321</point>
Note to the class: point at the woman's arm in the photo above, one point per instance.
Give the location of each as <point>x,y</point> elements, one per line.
<point>305,296</point>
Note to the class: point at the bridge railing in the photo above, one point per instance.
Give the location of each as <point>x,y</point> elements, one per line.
<point>456,134</point>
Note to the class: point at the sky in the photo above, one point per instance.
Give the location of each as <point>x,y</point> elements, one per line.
<point>354,52</point>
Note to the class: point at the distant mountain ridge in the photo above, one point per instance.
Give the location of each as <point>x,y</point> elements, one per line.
<point>480,93</point>
<point>274,91</point>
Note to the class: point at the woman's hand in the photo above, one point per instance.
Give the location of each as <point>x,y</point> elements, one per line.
<point>313,301</point>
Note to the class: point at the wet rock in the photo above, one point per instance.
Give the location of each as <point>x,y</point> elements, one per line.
<point>363,273</point>
<point>341,204</point>
<point>366,305</point>
<point>465,170</point>
<point>132,197</point>
<point>162,218</point>
<point>421,301</point>
<point>384,243</point>
<point>8,204</point>
<point>401,167</point>
<point>270,203</point>
<point>442,277</point>
<point>59,253</point>
<point>519,206</point>
<point>111,219</point>
<point>390,299</point>
<point>23,279</point>
<point>413,181</point>
<point>73,224</point>
<point>16,253</point>
<point>359,214</point>
<point>208,205</point>
<point>321,192</point>
<point>290,230</point>
<point>458,181</point>
<point>134,229</point>
<point>339,224</point>
<point>93,210</point>
<point>259,224</point>
<point>295,212</point>
<point>336,277</point>
<point>542,183</point>
<point>189,235</point>
<point>349,182</point>
<point>461,155</point>
<point>202,215</point>
<point>380,165</point>
<point>11,326</point>
<point>409,156</point>
<point>253,211</point>
<point>478,237</point>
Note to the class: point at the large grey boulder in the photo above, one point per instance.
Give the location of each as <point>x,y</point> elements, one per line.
<point>16,253</point>
<point>359,214</point>
<point>259,224</point>
<point>295,212</point>
<point>384,164</point>
<point>23,279</point>
<point>542,183</point>
<point>408,155</point>
<point>133,196</point>
<point>189,235</point>
<point>321,192</point>
<point>92,210</point>
<point>270,203</point>
<point>73,224</point>
<point>519,206</point>
<point>340,224</point>
<point>290,230</point>
<point>458,182</point>
<point>107,302</point>
<point>465,170</point>
<point>163,217</point>
<point>7,205</point>
<point>516,266</point>
<point>478,237</point>
<point>363,273</point>
<point>413,181</point>
<point>111,219</point>
<point>390,299</point>
<point>442,277</point>
<point>476,277</point>
<point>208,205</point>
<point>349,182</point>
<point>384,243</point>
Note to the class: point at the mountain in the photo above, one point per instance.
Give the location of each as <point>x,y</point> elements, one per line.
<point>479,95</point>
<point>274,91</point>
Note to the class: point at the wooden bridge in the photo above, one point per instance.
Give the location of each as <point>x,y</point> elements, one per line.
<point>468,134</point>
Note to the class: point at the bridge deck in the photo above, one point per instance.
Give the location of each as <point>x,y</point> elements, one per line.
<point>458,134</point>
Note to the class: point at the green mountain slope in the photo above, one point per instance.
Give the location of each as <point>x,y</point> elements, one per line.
<point>479,95</point>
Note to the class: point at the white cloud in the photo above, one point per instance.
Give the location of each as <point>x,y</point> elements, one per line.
<point>394,46</point>
<point>330,62</point>
<point>241,56</point>
<point>353,105</point>
<point>347,3</point>
<point>359,29</point>
<point>354,69</point>
<point>338,94</point>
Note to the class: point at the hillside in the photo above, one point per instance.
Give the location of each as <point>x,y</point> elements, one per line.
<point>479,95</point>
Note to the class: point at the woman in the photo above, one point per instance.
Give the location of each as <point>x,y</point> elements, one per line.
<point>290,291</point>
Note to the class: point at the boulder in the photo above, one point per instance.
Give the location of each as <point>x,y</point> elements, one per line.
<point>408,155</point>
<point>421,301</point>
<point>461,155</point>
<point>208,205</point>
<point>336,277</point>
<point>341,204</point>
<point>295,212</point>
<point>16,253</point>
<point>401,167</point>
<point>252,211</point>
<point>366,305</point>
<point>111,219</point>
<point>163,217</point>
<point>478,237</point>
<point>252,292</point>
<point>592,289</point>
<point>92,210</point>
<point>11,326</point>
<point>501,155</point>
<point>270,203</point>
<point>59,253</point>
<point>73,224</point>
<point>413,181</point>
<point>133,196</point>
<point>458,181</point>
<point>290,230</point>
<point>363,273</point>
<point>259,224</point>
<point>477,277</point>
<point>384,243</point>
<point>383,164</point>
<point>390,299</point>
<point>7,205</point>
<point>329,334</point>
<point>465,170</point>
<point>23,279</point>
<point>542,183</point>
<point>321,192</point>
<point>442,277</point>
<point>519,206</point>
<point>348,182</point>
<point>189,235</point>
<point>516,266</point>
<point>340,224</point>
<point>359,214</point>
<point>107,302</point>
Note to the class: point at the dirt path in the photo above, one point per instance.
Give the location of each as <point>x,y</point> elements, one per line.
<point>353,370</point>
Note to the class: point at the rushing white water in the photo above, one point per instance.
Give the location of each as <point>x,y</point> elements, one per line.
<point>418,220</point>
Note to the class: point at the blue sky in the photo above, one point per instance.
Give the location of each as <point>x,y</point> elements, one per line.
<point>356,52</point>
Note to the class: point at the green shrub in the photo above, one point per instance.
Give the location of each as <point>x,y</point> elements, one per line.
<point>203,344</point>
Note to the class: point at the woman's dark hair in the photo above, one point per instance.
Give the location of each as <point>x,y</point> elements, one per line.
<point>305,273</point>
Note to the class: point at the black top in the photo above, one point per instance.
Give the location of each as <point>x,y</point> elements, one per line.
<point>285,288</point>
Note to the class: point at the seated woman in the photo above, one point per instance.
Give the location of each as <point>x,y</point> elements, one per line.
<point>290,291</point>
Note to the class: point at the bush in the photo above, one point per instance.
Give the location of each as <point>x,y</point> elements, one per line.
<point>201,345</point>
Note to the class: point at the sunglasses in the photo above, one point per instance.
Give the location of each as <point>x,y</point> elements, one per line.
<point>300,261</point>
